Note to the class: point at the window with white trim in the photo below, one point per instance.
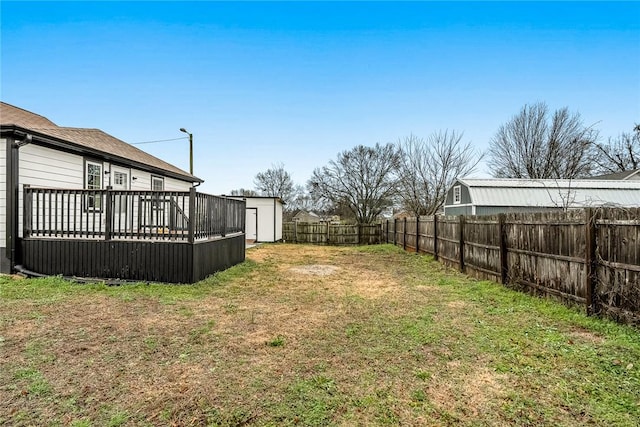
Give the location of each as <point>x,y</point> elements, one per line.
<point>119,178</point>
<point>157,183</point>
<point>93,181</point>
<point>457,194</point>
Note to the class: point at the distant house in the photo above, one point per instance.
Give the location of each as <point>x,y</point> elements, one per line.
<point>624,176</point>
<point>263,218</point>
<point>306,216</point>
<point>62,187</point>
<point>493,196</point>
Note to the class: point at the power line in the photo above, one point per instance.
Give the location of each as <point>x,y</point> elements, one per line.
<point>159,140</point>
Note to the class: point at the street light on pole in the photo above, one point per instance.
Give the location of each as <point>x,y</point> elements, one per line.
<point>190,149</point>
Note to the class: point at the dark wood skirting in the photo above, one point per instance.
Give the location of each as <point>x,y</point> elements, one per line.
<point>145,261</point>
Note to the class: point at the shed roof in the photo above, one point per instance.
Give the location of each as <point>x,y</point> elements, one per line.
<point>625,175</point>
<point>93,139</point>
<point>552,192</point>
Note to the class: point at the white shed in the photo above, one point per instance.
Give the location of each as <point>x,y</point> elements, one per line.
<point>264,218</point>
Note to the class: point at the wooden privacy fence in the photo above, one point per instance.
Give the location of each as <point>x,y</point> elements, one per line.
<point>589,257</point>
<point>324,233</point>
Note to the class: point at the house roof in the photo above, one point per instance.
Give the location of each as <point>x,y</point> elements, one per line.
<point>552,192</point>
<point>12,115</point>
<point>93,139</point>
<point>303,212</point>
<point>619,175</point>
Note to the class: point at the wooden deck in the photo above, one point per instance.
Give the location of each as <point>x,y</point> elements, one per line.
<point>173,237</point>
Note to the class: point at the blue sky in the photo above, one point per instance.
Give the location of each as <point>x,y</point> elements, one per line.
<point>296,83</point>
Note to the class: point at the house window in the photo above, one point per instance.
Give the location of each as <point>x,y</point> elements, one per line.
<point>93,180</point>
<point>157,183</point>
<point>119,179</point>
<point>457,194</point>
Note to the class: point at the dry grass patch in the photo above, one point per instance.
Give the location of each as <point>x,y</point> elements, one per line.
<point>387,338</point>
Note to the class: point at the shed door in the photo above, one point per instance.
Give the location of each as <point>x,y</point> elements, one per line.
<point>251,227</point>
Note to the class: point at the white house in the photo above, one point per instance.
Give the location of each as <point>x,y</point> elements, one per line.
<point>264,218</point>
<point>39,153</point>
<point>493,196</point>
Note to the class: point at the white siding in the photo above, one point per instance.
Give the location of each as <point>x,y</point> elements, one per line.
<point>278,220</point>
<point>171,184</point>
<point>46,167</point>
<point>3,192</point>
<point>143,182</point>
<point>269,212</point>
<point>50,168</point>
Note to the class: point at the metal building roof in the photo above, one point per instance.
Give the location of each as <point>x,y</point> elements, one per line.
<point>553,192</point>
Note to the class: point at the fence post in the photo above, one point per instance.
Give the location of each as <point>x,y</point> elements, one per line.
<point>295,231</point>
<point>108,209</point>
<point>590,260</point>
<point>417,234</point>
<point>461,227</point>
<point>386,234</point>
<point>395,227</point>
<point>435,237</point>
<point>192,214</point>
<point>504,266</point>
<point>404,234</point>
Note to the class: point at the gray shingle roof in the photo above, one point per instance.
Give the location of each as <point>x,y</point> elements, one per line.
<point>93,139</point>
<point>11,115</point>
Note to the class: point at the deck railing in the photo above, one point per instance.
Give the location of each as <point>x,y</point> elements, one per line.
<point>129,214</point>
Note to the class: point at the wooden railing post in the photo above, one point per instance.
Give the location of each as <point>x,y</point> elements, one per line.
<point>417,233</point>
<point>224,216</point>
<point>504,265</point>
<point>435,237</point>
<point>108,209</point>
<point>27,210</point>
<point>192,214</point>
<point>404,233</point>
<point>590,260</point>
<point>461,227</point>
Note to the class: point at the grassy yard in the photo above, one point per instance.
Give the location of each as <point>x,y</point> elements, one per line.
<point>309,335</point>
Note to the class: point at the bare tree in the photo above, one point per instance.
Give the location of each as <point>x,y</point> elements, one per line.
<point>276,182</point>
<point>619,154</point>
<point>243,192</point>
<point>427,168</point>
<point>362,179</point>
<point>537,145</point>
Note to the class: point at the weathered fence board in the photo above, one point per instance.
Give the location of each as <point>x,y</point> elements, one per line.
<point>589,257</point>
<point>618,264</point>
<point>332,234</point>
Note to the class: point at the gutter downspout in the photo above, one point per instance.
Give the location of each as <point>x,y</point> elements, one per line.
<point>13,199</point>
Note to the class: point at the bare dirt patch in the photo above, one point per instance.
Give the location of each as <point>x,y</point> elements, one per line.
<point>586,336</point>
<point>315,270</point>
